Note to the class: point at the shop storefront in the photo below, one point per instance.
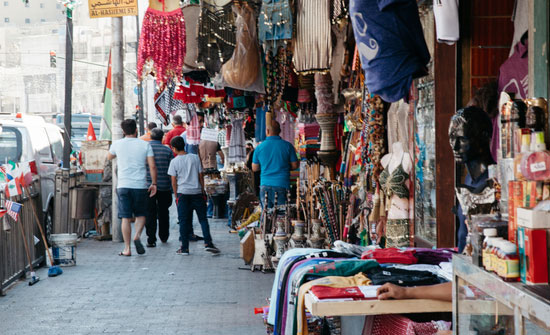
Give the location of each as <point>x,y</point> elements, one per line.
<point>419,128</point>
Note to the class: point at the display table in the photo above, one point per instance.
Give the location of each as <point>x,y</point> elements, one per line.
<point>374,307</point>
<point>482,301</point>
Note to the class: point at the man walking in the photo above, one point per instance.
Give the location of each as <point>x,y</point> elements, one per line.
<point>176,131</point>
<point>160,202</point>
<point>188,186</point>
<point>275,158</point>
<point>133,157</point>
<point>147,136</point>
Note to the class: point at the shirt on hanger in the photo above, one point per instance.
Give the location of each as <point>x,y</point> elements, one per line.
<point>391,44</point>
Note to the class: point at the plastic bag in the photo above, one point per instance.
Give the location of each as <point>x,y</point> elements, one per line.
<point>243,71</point>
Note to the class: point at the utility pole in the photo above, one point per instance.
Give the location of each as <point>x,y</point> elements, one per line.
<point>68,91</point>
<point>118,112</point>
<point>141,120</point>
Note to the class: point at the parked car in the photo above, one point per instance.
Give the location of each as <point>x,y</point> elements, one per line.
<point>79,127</point>
<point>30,138</point>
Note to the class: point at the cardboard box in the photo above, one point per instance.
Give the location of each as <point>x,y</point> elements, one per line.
<point>533,255</point>
<point>530,218</point>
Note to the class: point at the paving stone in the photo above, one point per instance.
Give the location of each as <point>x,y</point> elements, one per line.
<point>156,293</point>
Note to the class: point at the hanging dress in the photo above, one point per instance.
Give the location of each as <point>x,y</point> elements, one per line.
<point>237,150</point>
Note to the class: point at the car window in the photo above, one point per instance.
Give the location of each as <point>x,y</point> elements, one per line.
<point>41,144</point>
<point>11,145</point>
<point>56,142</point>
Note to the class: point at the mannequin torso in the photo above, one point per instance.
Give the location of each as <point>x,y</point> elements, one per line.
<point>164,5</point>
<point>398,205</point>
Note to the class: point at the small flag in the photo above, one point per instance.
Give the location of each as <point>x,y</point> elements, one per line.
<point>91,132</point>
<point>3,212</point>
<point>13,188</point>
<point>13,209</point>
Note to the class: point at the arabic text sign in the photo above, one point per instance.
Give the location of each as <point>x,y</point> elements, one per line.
<point>112,8</point>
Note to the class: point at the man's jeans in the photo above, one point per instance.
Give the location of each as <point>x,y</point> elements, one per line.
<point>186,205</point>
<point>271,190</point>
<point>158,209</point>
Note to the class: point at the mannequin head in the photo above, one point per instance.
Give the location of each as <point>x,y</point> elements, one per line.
<point>535,118</point>
<point>519,110</point>
<point>470,134</point>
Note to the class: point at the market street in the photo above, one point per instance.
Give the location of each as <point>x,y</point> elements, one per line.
<point>157,293</point>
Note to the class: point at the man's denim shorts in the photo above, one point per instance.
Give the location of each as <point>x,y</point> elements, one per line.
<point>132,202</point>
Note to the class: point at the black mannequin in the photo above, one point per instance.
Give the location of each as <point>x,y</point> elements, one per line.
<point>535,118</point>
<point>470,134</point>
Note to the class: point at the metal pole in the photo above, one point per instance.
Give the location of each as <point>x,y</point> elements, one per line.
<point>139,87</point>
<point>118,112</point>
<point>68,91</point>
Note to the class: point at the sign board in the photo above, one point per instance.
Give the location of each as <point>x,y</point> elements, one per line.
<point>208,134</point>
<point>112,8</point>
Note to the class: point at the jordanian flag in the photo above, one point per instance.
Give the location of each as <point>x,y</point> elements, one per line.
<point>105,132</point>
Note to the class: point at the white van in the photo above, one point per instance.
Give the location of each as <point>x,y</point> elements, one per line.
<point>28,138</point>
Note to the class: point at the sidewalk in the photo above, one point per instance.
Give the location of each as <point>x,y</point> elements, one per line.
<point>157,293</point>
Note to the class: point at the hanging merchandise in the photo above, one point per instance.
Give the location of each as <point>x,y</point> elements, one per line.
<point>446,21</point>
<point>243,70</point>
<point>237,150</point>
<point>191,13</point>
<point>391,44</point>
<point>216,34</point>
<point>162,46</point>
<point>193,134</point>
<point>513,73</point>
<point>166,103</point>
<point>275,24</point>
<point>313,46</point>
<point>278,69</point>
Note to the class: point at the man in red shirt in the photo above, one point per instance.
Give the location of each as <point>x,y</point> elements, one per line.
<point>176,131</point>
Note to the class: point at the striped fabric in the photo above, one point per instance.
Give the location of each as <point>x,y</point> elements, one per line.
<point>313,50</point>
<point>221,137</point>
<point>163,156</point>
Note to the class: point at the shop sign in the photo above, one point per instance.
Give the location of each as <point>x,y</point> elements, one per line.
<point>112,8</point>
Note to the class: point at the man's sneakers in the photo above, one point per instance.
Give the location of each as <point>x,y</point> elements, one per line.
<point>211,248</point>
<point>182,252</point>
<point>151,245</point>
<point>195,238</point>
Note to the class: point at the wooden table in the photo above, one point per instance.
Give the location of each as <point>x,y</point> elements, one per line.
<point>374,307</point>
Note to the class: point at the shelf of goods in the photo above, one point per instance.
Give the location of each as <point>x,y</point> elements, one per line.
<point>483,301</point>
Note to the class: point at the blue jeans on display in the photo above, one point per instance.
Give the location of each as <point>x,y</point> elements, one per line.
<point>271,190</point>
<point>186,204</point>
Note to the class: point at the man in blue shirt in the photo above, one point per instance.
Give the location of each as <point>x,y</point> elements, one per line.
<point>275,158</point>
<point>162,200</point>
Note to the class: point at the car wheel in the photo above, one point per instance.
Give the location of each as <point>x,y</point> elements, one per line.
<point>48,224</point>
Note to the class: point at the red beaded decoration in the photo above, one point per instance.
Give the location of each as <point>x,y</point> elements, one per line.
<point>162,41</point>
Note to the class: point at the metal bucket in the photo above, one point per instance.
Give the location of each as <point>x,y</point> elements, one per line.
<point>64,249</point>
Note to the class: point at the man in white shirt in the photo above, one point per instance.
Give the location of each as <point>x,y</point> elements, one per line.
<point>133,155</point>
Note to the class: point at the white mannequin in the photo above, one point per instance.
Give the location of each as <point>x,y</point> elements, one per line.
<point>399,207</point>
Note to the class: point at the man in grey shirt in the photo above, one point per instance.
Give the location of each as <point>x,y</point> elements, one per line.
<point>188,186</point>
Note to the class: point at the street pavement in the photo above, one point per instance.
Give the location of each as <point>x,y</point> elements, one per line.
<point>155,293</point>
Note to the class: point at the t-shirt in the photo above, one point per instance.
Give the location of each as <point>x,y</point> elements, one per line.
<point>207,153</point>
<point>274,156</point>
<point>163,156</point>
<point>391,44</point>
<point>131,163</point>
<point>446,21</point>
<point>514,72</point>
<point>176,131</point>
<point>186,168</point>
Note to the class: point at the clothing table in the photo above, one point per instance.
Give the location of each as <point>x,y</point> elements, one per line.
<point>374,307</point>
